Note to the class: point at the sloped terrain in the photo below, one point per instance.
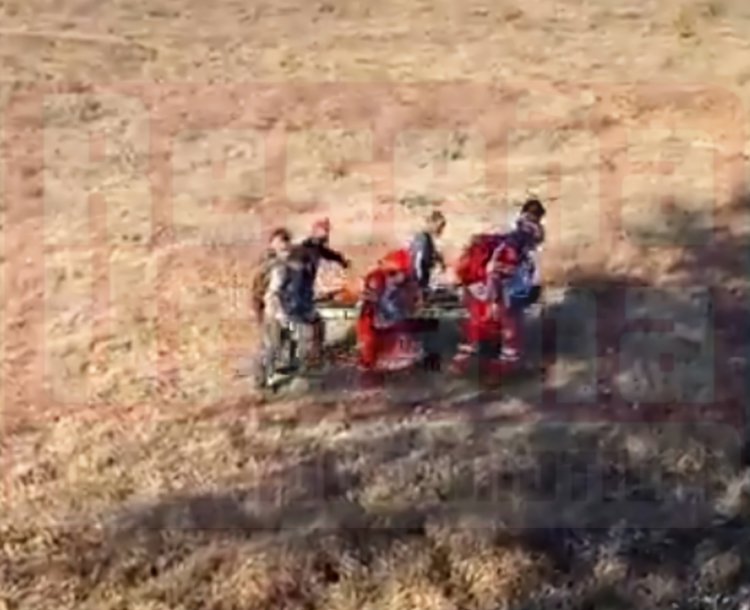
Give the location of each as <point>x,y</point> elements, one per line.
<point>148,149</point>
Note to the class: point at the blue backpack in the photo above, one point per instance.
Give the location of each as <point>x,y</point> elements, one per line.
<point>521,289</point>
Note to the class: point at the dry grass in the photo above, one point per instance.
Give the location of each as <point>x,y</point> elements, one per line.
<point>146,477</point>
<point>194,512</point>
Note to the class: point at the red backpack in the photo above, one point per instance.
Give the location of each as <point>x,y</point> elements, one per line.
<point>472,264</point>
<point>397,260</point>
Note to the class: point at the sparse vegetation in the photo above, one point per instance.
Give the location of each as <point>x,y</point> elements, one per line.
<point>144,475</point>
<point>694,17</point>
<point>418,202</point>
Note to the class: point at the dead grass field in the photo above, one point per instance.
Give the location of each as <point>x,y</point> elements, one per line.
<point>138,470</point>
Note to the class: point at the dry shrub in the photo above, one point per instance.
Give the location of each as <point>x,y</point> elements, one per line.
<point>735,501</point>
<point>483,572</point>
<point>685,24</point>
<point>498,576</point>
<point>407,560</point>
<point>656,590</point>
<point>338,168</point>
<point>232,575</point>
<point>261,580</point>
<point>692,16</point>
<point>346,595</point>
<point>190,579</point>
<point>609,571</point>
<point>413,595</point>
<point>712,9</point>
<point>409,579</point>
<point>47,567</point>
<point>354,591</point>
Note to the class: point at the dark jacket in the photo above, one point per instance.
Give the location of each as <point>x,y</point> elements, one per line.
<point>298,289</point>
<point>318,249</point>
<point>424,256</point>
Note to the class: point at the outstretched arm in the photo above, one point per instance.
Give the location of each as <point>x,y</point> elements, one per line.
<point>334,256</point>
<point>326,253</point>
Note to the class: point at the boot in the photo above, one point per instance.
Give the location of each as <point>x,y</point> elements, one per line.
<point>508,361</point>
<point>260,375</point>
<point>463,358</point>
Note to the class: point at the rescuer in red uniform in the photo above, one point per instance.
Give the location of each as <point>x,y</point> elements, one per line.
<point>390,295</point>
<point>490,269</point>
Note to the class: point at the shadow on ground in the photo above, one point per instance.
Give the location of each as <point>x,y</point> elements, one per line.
<point>595,511</point>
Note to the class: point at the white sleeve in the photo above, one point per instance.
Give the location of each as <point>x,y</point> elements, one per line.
<point>276,279</point>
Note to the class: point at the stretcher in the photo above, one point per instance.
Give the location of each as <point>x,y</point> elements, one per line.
<point>444,303</point>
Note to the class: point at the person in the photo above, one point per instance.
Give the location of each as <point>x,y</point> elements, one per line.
<point>526,287</point>
<point>267,306</point>
<point>495,272</point>
<point>423,251</point>
<point>288,306</point>
<point>317,244</point>
<point>383,329</point>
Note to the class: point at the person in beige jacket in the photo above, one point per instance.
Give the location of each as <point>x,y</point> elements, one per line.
<point>267,302</point>
<point>289,307</point>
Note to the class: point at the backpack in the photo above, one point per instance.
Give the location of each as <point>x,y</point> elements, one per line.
<point>522,288</point>
<point>259,285</point>
<point>472,264</point>
<point>397,260</point>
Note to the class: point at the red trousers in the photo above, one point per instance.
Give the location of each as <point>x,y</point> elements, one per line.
<point>375,343</point>
<point>502,329</point>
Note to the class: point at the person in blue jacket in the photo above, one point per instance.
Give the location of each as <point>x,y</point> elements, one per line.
<point>525,288</point>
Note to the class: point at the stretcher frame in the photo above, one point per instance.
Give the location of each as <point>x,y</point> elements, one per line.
<point>336,311</point>
<point>444,305</point>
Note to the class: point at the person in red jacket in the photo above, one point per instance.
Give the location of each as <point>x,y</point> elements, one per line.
<point>487,273</point>
<point>390,295</point>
